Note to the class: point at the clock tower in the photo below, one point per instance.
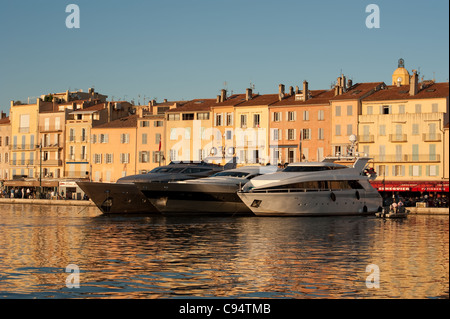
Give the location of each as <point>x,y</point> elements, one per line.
<point>400,75</point>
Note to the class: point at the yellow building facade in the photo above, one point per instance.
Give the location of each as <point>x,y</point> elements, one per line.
<point>402,128</point>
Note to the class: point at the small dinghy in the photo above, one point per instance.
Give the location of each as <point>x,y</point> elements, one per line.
<point>393,212</point>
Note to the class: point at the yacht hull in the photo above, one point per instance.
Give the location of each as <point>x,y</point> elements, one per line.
<point>202,198</point>
<point>323,203</point>
<point>117,198</point>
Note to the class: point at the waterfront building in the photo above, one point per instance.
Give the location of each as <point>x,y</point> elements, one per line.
<point>114,149</point>
<point>224,119</point>
<point>79,138</point>
<point>188,131</point>
<point>5,135</point>
<point>402,128</point>
<point>345,112</point>
<point>300,125</point>
<point>151,138</point>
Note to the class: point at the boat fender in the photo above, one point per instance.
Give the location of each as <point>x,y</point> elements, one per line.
<point>333,196</point>
<point>357,195</point>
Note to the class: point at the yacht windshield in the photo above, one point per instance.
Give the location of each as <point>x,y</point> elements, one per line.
<point>166,170</point>
<point>231,174</point>
<point>309,168</point>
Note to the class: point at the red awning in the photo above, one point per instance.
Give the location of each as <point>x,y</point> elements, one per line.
<point>425,186</point>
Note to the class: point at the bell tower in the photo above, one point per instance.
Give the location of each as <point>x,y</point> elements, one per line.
<point>401,75</point>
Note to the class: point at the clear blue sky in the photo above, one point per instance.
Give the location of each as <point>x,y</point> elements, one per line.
<point>185,49</point>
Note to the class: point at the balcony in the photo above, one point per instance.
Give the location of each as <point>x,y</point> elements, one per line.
<point>50,129</point>
<point>366,138</point>
<point>423,158</point>
<point>431,137</point>
<point>23,147</point>
<point>51,163</point>
<point>398,138</point>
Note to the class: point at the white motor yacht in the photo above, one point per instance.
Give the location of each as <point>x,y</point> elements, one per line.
<point>216,194</point>
<point>313,189</point>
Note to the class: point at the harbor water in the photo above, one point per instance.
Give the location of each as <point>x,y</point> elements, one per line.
<point>76,252</point>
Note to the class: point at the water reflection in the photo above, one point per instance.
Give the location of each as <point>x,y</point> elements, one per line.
<point>162,257</point>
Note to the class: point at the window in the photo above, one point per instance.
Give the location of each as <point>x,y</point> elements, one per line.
<point>306,134</point>
<point>338,110</point>
<point>401,109</point>
<point>104,138</point>
<point>173,134</point>
<point>24,123</point>
<point>321,115</point>
<point>229,119</point>
<point>97,158</point>
<point>145,124</point>
<point>418,108</point>
<point>173,155</point>
<point>256,120</point>
<point>228,134</point>
<point>144,157</point>
<point>399,170</point>
<point>415,129</point>
<point>94,138</point>
<point>305,115</point>
<point>203,116</point>
<point>349,129</point>
<point>434,108</point>
<point>432,152</point>
<point>144,138</point>
<point>349,110</point>
<point>291,134</point>
<point>369,110</point>
<point>124,138</point>
<point>243,121</point>
<point>124,158</point>
<point>338,130</point>
<point>382,130</point>
<point>276,134</point>
<point>385,109</point>
<point>156,157</point>
<point>292,116</point>
<point>188,116</point>
<point>83,152</point>
<point>218,120</point>
<point>173,117</point>
<point>277,116</point>
<point>109,158</point>
<point>320,134</point>
<point>72,135</point>
<point>83,135</point>
<point>157,138</point>
<point>158,123</point>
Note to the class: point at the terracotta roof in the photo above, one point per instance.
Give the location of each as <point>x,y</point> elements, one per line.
<point>317,97</point>
<point>129,121</point>
<point>393,92</point>
<point>5,120</point>
<point>195,105</point>
<point>358,91</point>
<point>232,100</point>
<point>92,108</point>
<point>256,100</point>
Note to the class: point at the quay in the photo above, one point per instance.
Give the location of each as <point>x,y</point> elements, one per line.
<point>53,202</point>
<point>64,202</point>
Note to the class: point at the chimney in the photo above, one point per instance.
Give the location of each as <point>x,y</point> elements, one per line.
<point>350,83</point>
<point>223,95</point>
<point>305,91</point>
<point>218,99</point>
<point>248,94</point>
<point>291,90</point>
<point>281,91</point>
<point>297,90</point>
<point>3,115</point>
<point>414,86</point>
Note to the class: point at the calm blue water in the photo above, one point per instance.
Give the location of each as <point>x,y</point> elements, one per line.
<point>236,257</point>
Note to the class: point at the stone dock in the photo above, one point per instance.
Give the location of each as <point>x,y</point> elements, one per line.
<point>54,202</point>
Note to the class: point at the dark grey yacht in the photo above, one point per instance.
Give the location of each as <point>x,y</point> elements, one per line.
<point>124,197</point>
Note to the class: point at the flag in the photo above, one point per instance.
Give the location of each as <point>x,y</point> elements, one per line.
<point>159,150</point>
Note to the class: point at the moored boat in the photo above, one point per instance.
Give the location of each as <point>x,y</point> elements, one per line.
<point>216,194</point>
<point>123,197</point>
<point>313,189</point>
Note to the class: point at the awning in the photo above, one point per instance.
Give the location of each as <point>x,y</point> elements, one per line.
<point>425,186</point>
<point>31,183</point>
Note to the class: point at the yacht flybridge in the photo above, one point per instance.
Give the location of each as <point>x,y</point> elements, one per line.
<point>313,189</point>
